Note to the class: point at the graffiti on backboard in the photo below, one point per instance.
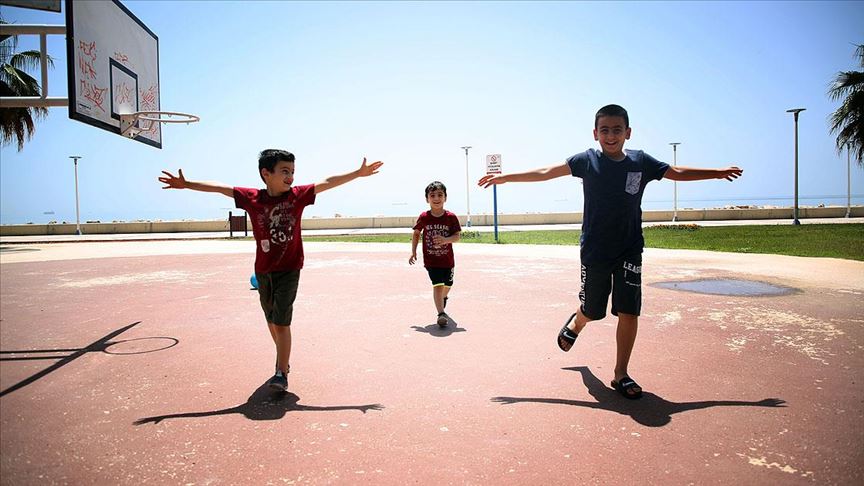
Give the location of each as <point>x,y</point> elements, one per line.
<point>87,85</point>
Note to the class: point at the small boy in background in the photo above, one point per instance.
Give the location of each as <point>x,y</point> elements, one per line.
<point>440,229</point>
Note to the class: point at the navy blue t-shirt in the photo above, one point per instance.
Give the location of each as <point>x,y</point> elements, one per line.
<point>612,216</point>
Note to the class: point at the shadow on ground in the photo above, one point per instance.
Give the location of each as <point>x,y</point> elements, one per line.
<point>263,404</point>
<point>651,410</point>
<point>102,345</point>
<point>438,331</point>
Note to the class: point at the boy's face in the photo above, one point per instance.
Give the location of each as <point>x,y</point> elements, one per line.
<point>436,199</point>
<point>611,133</point>
<point>281,178</point>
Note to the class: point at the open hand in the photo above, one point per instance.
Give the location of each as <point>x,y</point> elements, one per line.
<point>367,170</point>
<point>412,259</point>
<point>730,173</point>
<point>491,180</point>
<point>172,182</point>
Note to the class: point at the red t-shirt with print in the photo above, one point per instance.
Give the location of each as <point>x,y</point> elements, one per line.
<point>445,225</point>
<point>276,225</point>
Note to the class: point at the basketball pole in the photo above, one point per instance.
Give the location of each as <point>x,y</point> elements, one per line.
<point>43,100</point>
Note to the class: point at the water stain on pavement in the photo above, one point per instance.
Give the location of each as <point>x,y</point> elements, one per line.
<point>727,286</point>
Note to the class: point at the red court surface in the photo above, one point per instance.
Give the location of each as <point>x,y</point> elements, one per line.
<point>145,362</point>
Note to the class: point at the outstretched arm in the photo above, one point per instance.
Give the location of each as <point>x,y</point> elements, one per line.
<point>338,180</point>
<point>691,174</point>
<point>180,182</point>
<point>535,175</point>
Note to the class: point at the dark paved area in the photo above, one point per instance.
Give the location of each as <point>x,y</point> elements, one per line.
<point>150,368</point>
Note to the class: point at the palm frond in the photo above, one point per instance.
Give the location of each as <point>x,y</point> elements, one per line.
<point>8,44</point>
<point>29,60</point>
<point>17,124</point>
<point>6,37</point>
<point>845,82</point>
<point>5,89</point>
<point>847,121</point>
<point>22,84</point>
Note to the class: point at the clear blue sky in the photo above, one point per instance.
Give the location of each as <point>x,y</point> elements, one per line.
<point>410,82</point>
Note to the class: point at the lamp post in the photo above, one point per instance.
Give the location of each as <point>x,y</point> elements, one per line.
<point>467,186</point>
<point>675,183</point>
<point>77,213</point>
<point>848,181</point>
<point>795,112</point>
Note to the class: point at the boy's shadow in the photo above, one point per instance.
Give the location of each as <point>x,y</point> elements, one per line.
<point>263,404</point>
<point>651,410</point>
<point>438,331</point>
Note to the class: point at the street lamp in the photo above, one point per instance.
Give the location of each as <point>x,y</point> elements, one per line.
<point>795,112</point>
<point>467,186</point>
<point>77,213</point>
<point>675,183</point>
<point>848,181</point>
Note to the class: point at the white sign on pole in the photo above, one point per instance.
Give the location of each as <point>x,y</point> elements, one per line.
<point>493,164</point>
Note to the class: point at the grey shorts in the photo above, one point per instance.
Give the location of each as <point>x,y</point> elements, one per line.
<point>277,291</point>
<point>622,278</point>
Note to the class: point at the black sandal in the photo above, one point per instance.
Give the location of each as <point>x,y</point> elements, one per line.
<point>567,337</point>
<point>625,386</point>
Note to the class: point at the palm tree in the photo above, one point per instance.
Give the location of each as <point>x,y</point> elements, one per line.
<point>18,123</point>
<point>848,120</point>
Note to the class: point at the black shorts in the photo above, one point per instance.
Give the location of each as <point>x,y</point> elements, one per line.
<point>441,276</point>
<point>277,291</point>
<point>622,278</point>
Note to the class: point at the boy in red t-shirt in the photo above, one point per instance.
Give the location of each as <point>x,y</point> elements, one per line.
<point>275,213</point>
<point>440,230</point>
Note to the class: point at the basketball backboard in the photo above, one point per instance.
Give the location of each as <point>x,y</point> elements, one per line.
<point>113,67</point>
<point>47,5</point>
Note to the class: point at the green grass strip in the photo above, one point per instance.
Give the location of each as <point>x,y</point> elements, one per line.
<point>812,240</point>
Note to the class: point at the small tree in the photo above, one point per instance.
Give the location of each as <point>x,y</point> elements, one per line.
<point>848,121</point>
<point>18,123</point>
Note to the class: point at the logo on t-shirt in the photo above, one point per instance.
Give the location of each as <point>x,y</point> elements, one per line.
<point>431,231</point>
<point>634,181</point>
<point>280,223</point>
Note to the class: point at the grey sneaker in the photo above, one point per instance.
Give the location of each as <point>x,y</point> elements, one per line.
<point>279,381</point>
<point>443,318</point>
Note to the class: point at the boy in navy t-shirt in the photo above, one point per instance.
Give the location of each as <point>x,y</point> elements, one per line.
<point>275,212</point>
<point>440,229</point>
<point>611,242</point>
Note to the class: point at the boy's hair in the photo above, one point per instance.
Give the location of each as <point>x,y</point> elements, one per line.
<point>612,110</point>
<point>436,186</point>
<point>268,159</point>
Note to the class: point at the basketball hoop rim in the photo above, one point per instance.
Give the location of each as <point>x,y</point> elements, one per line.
<point>156,116</point>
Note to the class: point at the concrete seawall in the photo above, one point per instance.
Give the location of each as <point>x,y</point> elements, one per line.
<point>684,216</point>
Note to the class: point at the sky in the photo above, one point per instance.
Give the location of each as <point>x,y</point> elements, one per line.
<point>410,83</point>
